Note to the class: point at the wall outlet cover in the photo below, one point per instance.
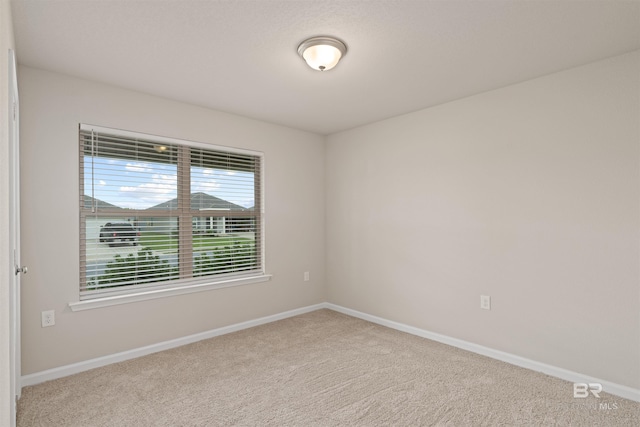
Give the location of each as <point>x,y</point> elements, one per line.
<point>48,318</point>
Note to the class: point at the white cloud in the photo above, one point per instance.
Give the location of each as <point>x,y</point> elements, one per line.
<point>204,180</point>
<point>159,189</point>
<point>204,186</point>
<point>138,167</point>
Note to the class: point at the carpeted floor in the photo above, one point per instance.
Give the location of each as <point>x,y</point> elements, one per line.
<point>318,369</point>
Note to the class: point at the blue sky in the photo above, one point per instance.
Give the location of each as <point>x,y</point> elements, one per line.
<point>141,185</point>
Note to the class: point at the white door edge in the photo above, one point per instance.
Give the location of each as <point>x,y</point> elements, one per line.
<point>14,236</point>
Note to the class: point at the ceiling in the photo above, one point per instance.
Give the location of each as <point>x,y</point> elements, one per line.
<point>240,56</point>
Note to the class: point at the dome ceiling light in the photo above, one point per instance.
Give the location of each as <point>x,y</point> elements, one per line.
<point>322,53</point>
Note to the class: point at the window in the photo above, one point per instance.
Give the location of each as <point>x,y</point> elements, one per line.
<point>158,213</point>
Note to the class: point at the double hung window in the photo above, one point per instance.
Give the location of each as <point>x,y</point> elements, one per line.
<point>160,213</point>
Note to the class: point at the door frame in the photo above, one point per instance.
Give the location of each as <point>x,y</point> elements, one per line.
<point>14,237</point>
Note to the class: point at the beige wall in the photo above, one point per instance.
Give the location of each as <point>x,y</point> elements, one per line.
<point>52,107</point>
<point>529,194</point>
<point>6,43</point>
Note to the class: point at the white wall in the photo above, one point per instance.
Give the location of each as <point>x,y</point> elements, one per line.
<point>529,194</point>
<point>52,107</point>
<point>6,43</point>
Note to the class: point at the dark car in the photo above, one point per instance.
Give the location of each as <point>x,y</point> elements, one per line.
<point>119,232</point>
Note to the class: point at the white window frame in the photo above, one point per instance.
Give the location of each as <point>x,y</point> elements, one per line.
<point>188,285</point>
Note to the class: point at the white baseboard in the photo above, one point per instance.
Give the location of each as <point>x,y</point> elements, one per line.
<point>575,377</point>
<point>63,371</point>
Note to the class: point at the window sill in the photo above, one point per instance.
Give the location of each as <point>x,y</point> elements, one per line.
<point>161,293</point>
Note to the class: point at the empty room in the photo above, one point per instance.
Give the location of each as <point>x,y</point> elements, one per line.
<point>319,212</point>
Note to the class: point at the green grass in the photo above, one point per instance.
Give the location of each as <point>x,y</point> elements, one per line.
<point>168,243</point>
<point>158,242</point>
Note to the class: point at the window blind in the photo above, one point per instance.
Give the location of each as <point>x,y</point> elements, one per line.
<point>157,212</point>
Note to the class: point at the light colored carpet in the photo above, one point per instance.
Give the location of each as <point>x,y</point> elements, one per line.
<point>318,369</point>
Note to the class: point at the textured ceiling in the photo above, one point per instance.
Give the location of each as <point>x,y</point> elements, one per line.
<point>240,56</point>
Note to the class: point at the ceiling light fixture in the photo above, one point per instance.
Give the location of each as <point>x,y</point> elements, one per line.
<point>322,53</point>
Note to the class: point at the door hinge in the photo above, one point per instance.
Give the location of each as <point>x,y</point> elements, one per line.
<point>15,111</point>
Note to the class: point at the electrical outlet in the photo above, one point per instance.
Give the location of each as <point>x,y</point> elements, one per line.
<point>48,318</point>
<point>306,276</point>
<point>485,302</point>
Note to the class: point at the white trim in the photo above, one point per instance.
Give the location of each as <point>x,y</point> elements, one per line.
<point>564,374</point>
<point>161,293</point>
<point>13,144</point>
<point>75,368</point>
